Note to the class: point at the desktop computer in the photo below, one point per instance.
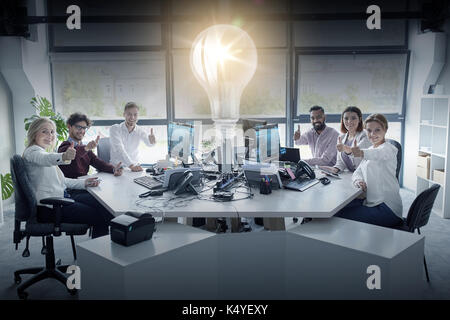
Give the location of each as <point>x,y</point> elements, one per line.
<point>262,141</point>
<point>181,141</point>
<point>248,126</point>
<point>267,143</point>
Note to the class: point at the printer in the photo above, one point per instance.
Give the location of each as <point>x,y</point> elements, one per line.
<point>132,227</point>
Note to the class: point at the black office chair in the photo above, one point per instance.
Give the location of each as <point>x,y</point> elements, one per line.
<point>26,211</point>
<point>419,214</point>
<point>399,155</point>
<point>104,149</point>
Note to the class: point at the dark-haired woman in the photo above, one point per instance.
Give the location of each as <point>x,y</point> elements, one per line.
<point>352,132</point>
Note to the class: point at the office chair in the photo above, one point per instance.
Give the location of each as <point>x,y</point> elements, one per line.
<point>399,155</point>
<point>419,214</point>
<point>103,149</point>
<point>26,211</point>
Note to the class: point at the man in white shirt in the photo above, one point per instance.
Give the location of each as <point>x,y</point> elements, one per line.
<point>125,138</point>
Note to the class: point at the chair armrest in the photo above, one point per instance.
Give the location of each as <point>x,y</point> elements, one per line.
<point>57,201</point>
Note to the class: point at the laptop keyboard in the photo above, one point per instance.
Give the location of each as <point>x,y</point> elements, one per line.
<point>148,182</point>
<point>301,185</point>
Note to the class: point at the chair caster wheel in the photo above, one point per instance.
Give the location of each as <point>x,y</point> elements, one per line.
<point>72,291</point>
<point>17,279</point>
<point>22,295</point>
<point>295,219</point>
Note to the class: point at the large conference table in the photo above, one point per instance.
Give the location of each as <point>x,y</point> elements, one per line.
<point>322,259</point>
<point>121,194</point>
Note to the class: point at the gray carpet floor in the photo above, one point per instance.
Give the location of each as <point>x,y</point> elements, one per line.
<point>437,251</point>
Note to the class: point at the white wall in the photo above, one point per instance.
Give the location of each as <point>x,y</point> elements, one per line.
<point>420,63</point>
<point>7,146</point>
<point>444,78</point>
<point>25,67</point>
<point>35,59</point>
<point>11,67</point>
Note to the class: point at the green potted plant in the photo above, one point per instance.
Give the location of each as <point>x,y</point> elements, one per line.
<point>7,186</point>
<point>44,109</point>
<point>7,191</point>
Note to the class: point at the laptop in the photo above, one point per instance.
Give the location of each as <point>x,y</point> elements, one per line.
<point>289,154</point>
<point>301,185</point>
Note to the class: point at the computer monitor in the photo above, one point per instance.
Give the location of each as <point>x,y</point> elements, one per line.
<point>249,135</point>
<point>267,143</point>
<point>181,140</point>
<point>290,154</point>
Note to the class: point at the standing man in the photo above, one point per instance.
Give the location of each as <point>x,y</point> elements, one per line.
<point>78,124</point>
<point>125,138</point>
<point>321,139</point>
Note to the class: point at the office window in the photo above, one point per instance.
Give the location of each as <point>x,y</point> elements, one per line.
<point>184,33</point>
<point>372,82</point>
<point>266,34</point>
<point>348,33</point>
<point>106,35</point>
<point>100,85</point>
<point>190,99</point>
<point>264,96</point>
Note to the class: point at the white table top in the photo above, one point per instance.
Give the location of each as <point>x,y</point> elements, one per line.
<point>120,194</point>
<point>167,237</point>
<point>380,241</point>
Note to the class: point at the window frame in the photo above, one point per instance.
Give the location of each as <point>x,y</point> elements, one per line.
<point>336,118</point>
<point>167,18</point>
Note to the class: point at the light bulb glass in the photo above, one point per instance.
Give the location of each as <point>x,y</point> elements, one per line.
<point>224,59</point>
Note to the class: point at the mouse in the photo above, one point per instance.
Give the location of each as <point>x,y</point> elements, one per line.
<point>150,170</point>
<point>152,193</point>
<point>324,180</point>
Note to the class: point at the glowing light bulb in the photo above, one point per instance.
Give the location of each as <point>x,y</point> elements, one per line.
<point>224,59</point>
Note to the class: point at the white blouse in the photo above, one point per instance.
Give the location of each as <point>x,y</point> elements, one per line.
<point>377,170</point>
<point>46,179</point>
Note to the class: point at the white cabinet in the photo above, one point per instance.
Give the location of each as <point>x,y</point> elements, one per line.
<point>434,142</point>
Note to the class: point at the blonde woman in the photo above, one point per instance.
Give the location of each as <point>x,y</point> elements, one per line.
<point>47,180</point>
<point>375,175</point>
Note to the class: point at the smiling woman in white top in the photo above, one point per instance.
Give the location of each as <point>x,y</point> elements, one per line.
<point>376,177</point>
<point>47,180</point>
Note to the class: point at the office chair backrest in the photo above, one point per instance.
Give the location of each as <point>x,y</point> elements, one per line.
<point>103,149</point>
<point>420,210</point>
<point>399,155</point>
<point>25,200</point>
